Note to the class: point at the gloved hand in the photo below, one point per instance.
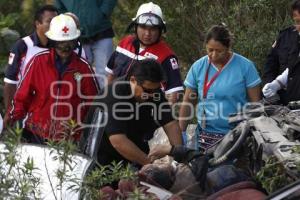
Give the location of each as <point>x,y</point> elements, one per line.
<point>184,138</point>
<point>270,89</point>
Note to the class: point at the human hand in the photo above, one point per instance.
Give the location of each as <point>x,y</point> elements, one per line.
<point>270,89</point>
<point>159,151</point>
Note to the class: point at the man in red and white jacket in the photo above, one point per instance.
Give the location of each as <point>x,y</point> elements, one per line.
<point>147,43</point>
<point>56,86</point>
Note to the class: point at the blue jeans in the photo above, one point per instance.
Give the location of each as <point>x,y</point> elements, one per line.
<point>98,54</point>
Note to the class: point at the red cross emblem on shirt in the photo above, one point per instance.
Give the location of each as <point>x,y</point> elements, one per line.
<point>174,63</point>
<point>65,29</point>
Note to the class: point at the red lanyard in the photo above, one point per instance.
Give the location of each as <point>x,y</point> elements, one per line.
<point>136,56</point>
<point>207,83</point>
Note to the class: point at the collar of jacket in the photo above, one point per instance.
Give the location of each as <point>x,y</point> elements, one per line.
<point>70,66</point>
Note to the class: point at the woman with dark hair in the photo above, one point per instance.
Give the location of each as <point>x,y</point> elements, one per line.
<point>219,83</point>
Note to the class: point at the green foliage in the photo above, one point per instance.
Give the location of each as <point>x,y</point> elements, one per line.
<point>18,15</point>
<point>254,24</point>
<point>17,179</point>
<point>8,20</point>
<point>27,14</point>
<point>273,175</point>
<point>9,13</point>
<point>63,150</point>
<point>10,6</point>
<point>105,175</point>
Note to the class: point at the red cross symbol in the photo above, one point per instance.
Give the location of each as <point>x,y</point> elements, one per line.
<point>65,29</point>
<point>174,62</point>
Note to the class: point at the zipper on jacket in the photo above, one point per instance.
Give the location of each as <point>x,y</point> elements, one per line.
<point>60,78</point>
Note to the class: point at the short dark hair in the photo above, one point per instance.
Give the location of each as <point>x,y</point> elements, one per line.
<point>221,34</point>
<point>146,70</point>
<point>295,5</point>
<point>38,16</point>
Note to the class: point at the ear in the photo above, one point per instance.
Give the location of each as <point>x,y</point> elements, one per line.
<point>36,23</point>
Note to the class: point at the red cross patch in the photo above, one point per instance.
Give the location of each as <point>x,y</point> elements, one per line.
<point>174,63</point>
<point>11,58</point>
<point>65,29</point>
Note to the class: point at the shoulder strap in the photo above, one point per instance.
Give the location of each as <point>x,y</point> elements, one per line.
<point>28,41</point>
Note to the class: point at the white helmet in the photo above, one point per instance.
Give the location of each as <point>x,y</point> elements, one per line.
<point>63,28</point>
<point>149,8</point>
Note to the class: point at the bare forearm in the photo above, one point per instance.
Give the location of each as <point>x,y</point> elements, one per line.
<point>129,150</point>
<point>184,112</point>
<point>187,107</point>
<point>9,92</point>
<point>172,97</point>
<point>254,94</point>
<point>173,132</point>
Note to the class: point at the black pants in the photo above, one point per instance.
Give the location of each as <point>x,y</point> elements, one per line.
<point>29,137</point>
